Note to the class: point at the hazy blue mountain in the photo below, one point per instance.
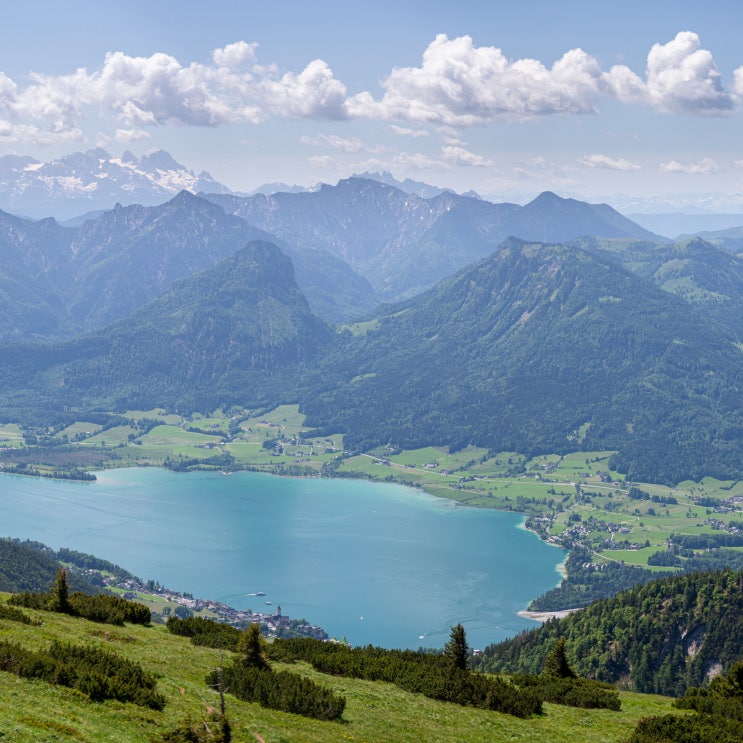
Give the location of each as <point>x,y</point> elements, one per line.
<point>88,181</point>
<point>419,188</point>
<point>33,260</point>
<point>550,218</point>
<point>56,281</point>
<point>239,329</point>
<point>131,255</point>
<point>678,225</point>
<point>730,239</point>
<point>542,348</point>
<point>703,274</point>
<point>402,243</point>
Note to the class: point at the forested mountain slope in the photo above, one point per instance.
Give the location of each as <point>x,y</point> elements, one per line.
<point>541,348</point>
<point>32,567</point>
<point>238,330</point>
<point>660,637</point>
<point>701,273</point>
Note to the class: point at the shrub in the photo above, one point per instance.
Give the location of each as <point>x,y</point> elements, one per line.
<point>283,691</point>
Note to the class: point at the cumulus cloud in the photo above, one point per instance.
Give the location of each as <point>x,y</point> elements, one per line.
<point>682,78</point>
<point>457,84</point>
<point>738,85</point>
<point>141,92</point>
<point>610,163</point>
<point>706,166</point>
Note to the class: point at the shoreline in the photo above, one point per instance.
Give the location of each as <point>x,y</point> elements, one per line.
<point>544,616</point>
<point>455,503</point>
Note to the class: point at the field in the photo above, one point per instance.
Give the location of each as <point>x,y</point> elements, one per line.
<point>567,499</point>
<point>33,711</point>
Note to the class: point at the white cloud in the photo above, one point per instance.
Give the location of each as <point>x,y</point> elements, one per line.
<point>738,84</point>
<point>610,163</point>
<point>706,166</point>
<point>459,84</point>
<point>235,55</point>
<point>313,93</point>
<point>682,78</point>
<point>324,161</point>
<point>414,161</point>
<point>461,156</point>
<point>131,135</point>
<point>156,90</point>
<point>456,85</point>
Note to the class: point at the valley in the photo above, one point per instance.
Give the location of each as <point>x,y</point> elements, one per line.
<point>371,373</point>
<point>574,500</point>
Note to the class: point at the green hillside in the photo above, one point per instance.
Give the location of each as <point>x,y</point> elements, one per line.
<point>541,349</point>
<point>240,325</point>
<point>538,349</point>
<point>660,637</point>
<point>33,711</point>
<point>31,566</point>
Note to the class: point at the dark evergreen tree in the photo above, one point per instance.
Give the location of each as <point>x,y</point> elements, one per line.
<point>457,650</point>
<point>556,663</point>
<point>60,600</point>
<point>250,646</point>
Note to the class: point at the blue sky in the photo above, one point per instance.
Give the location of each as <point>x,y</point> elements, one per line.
<point>583,98</point>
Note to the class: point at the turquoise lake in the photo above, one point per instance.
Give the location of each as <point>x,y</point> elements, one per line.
<point>376,563</point>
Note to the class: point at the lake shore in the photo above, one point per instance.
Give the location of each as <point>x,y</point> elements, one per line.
<point>543,616</point>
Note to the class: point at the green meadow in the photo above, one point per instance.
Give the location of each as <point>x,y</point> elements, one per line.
<point>35,712</point>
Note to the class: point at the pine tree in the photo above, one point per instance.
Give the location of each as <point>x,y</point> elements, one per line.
<point>457,650</point>
<point>59,600</point>
<point>250,646</point>
<point>556,663</point>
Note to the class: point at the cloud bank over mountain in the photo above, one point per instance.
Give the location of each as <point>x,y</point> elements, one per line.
<point>457,84</point>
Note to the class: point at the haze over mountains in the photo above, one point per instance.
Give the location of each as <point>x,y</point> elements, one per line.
<point>549,327</point>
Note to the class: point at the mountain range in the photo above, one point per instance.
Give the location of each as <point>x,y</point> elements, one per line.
<point>94,180</point>
<point>403,243</point>
<point>582,331</point>
<point>352,245</point>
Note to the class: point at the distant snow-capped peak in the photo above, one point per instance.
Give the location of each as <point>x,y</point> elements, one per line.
<point>86,181</point>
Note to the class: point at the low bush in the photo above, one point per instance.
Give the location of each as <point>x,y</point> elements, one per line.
<point>205,632</point>
<point>280,690</point>
<point>421,673</point>
<point>96,673</point>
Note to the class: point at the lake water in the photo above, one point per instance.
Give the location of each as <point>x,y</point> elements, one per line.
<point>376,563</point>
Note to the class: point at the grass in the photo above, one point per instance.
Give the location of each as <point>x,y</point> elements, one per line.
<point>34,711</point>
<point>174,436</point>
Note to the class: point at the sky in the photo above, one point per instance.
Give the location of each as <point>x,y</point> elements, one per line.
<point>583,98</point>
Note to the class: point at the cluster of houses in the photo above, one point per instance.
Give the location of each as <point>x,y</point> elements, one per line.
<point>180,604</point>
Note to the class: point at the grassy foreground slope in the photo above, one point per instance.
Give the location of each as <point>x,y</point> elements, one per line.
<point>34,711</point>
